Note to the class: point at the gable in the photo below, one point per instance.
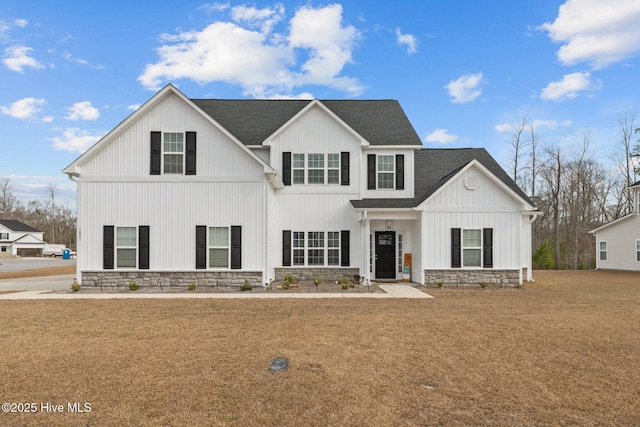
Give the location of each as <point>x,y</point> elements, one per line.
<point>126,150</point>
<point>476,188</point>
<point>29,239</point>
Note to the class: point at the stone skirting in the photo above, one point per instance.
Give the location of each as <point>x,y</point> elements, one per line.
<point>113,279</point>
<point>326,274</point>
<point>464,277</point>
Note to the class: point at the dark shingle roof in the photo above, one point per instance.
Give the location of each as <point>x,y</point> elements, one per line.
<point>252,121</point>
<point>14,225</point>
<point>434,167</point>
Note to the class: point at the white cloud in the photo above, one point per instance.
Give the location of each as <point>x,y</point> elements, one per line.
<point>21,23</point>
<point>408,40</point>
<point>569,87</point>
<point>596,31</point>
<point>133,107</point>
<point>214,7</point>
<point>16,58</point>
<point>465,89</point>
<point>83,111</point>
<point>24,108</point>
<point>262,62</point>
<point>441,136</point>
<point>265,19</point>
<point>75,140</point>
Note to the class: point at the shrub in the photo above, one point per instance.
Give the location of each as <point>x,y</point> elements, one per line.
<point>288,281</point>
<point>246,286</point>
<point>440,284</point>
<point>134,286</point>
<point>543,258</point>
<point>75,286</point>
<point>192,287</point>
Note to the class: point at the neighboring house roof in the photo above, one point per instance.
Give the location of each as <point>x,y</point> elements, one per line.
<point>252,121</point>
<point>434,168</point>
<point>617,221</point>
<point>18,226</point>
<point>635,185</point>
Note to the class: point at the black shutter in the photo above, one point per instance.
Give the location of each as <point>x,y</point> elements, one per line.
<point>456,260</point>
<point>344,248</point>
<point>190,161</point>
<point>344,168</point>
<point>399,171</point>
<point>286,167</point>
<point>286,248</point>
<point>107,247</point>
<point>371,171</point>
<point>143,247</point>
<point>236,247</point>
<point>201,247</point>
<point>156,152</point>
<point>487,247</point>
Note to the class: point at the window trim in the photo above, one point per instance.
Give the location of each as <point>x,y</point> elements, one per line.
<point>392,172</point>
<point>303,247</point>
<point>603,251</point>
<point>117,247</point>
<point>305,169</point>
<point>210,246</point>
<point>474,248</point>
<point>164,153</point>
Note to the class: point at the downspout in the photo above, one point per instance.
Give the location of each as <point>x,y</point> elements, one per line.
<point>265,251</point>
<point>79,255</point>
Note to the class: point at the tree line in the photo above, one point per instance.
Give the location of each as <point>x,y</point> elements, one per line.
<point>58,222</point>
<point>575,189</point>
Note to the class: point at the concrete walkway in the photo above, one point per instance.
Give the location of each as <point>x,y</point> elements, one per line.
<point>391,291</point>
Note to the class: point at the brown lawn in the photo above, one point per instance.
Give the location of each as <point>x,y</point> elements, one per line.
<point>564,351</point>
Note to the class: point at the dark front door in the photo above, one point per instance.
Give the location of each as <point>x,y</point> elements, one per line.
<point>385,254</point>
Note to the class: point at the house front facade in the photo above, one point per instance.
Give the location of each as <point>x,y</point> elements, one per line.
<point>19,239</point>
<point>219,192</point>
<point>618,242</point>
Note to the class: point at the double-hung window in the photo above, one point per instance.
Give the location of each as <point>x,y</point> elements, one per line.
<point>315,243</point>
<point>298,168</point>
<point>637,250</point>
<point>315,166</point>
<point>126,247</point>
<point>298,248</point>
<point>386,169</point>
<point>173,152</point>
<point>471,248</point>
<point>333,248</point>
<point>603,251</point>
<point>333,168</point>
<point>219,247</point>
<point>4,236</point>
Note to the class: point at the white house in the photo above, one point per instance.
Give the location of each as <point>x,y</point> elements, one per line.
<point>618,243</point>
<point>20,239</point>
<point>215,191</point>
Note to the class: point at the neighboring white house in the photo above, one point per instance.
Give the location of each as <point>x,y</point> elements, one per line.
<point>222,191</point>
<point>618,243</point>
<point>20,239</point>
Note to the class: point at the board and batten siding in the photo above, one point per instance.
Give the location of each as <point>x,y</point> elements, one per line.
<point>172,210</point>
<point>316,132</point>
<point>128,153</point>
<point>473,200</point>
<point>621,244</point>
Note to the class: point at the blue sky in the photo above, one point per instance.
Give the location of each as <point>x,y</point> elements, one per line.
<point>464,71</point>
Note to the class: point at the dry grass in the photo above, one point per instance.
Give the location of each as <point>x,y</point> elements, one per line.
<point>563,351</point>
<point>39,272</point>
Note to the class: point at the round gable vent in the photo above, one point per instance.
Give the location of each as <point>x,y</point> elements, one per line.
<point>471,181</point>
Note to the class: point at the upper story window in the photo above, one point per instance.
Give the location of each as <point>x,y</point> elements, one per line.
<point>4,236</point>
<point>385,171</point>
<point>315,168</point>
<point>173,153</point>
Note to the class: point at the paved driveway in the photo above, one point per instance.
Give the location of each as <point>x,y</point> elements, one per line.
<point>45,283</point>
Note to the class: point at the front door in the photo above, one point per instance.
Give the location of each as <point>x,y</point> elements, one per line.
<point>385,254</point>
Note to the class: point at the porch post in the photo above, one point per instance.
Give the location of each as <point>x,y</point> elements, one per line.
<point>365,244</point>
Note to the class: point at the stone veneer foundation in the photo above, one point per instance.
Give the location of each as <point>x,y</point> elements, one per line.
<point>170,279</point>
<point>310,274</point>
<point>463,277</point>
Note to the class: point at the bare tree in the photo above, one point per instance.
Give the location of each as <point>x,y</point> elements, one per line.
<point>625,159</point>
<point>518,143</point>
<point>51,190</point>
<point>7,199</point>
